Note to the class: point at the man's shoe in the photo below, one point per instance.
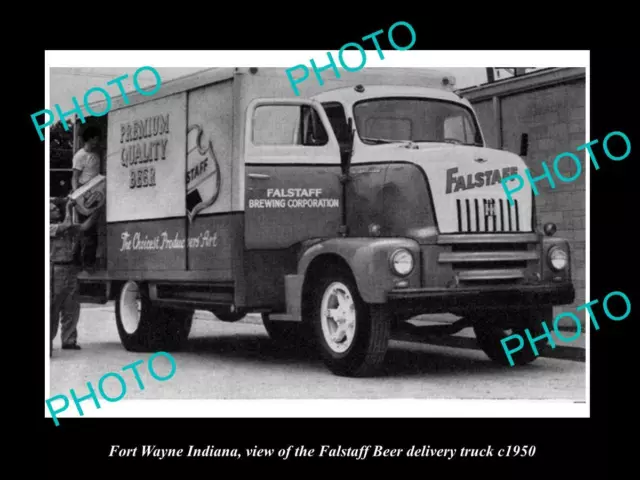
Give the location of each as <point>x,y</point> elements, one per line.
<point>73,346</point>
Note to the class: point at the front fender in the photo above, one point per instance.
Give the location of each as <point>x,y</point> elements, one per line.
<point>368,259</point>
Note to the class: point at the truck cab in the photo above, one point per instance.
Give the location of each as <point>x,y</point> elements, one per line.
<point>337,217</point>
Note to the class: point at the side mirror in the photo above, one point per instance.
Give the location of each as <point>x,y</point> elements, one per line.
<point>346,159</point>
<point>524,144</point>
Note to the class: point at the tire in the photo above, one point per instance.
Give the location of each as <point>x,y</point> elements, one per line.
<point>490,332</point>
<point>151,328</point>
<point>360,349</point>
<point>287,334</point>
<point>228,317</point>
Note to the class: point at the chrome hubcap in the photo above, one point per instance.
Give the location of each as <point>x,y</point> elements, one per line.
<point>130,307</point>
<point>338,317</point>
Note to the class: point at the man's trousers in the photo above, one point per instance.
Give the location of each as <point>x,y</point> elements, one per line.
<point>65,308</point>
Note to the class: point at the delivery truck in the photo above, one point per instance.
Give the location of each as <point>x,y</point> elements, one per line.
<point>337,216</point>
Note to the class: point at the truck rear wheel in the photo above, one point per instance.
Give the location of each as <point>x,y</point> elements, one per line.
<point>490,331</point>
<point>143,327</point>
<point>352,336</point>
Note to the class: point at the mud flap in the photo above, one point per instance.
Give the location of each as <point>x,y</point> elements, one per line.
<point>293,300</point>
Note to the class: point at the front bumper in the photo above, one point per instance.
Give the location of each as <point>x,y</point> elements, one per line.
<point>437,300</point>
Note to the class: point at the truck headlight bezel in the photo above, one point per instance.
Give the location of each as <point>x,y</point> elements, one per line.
<point>405,256</point>
<point>556,254</point>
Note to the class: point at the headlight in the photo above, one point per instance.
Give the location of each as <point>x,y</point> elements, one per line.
<point>557,258</point>
<point>402,262</point>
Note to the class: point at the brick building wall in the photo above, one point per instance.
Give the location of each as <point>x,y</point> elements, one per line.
<point>549,106</point>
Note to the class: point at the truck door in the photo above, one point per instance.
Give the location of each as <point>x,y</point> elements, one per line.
<point>292,168</point>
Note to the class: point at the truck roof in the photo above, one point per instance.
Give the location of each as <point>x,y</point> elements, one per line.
<point>390,76</point>
<point>168,87</point>
<point>351,95</point>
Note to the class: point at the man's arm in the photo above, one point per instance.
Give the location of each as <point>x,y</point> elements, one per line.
<point>84,226</point>
<point>58,229</point>
<point>89,222</point>
<point>74,179</point>
<point>78,166</point>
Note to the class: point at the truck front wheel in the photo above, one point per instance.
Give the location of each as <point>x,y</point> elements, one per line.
<point>352,336</point>
<point>491,329</point>
<point>143,327</point>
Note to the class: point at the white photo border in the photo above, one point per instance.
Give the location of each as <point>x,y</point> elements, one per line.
<point>396,408</point>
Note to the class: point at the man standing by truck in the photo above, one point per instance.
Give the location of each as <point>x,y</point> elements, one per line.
<point>86,165</point>
<point>63,269</point>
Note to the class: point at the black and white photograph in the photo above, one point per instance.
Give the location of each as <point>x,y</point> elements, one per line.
<point>312,239</point>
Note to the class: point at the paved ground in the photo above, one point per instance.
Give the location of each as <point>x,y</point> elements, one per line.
<point>238,361</point>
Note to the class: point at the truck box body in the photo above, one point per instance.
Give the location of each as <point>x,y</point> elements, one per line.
<point>170,158</point>
<point>176,181</point>
<point>364,202</point>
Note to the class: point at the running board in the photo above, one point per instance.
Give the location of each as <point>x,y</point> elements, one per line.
<point>202,296</point>
<point>284,317</point>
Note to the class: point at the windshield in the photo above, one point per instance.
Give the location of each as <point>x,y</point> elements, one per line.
<point>415,120</point>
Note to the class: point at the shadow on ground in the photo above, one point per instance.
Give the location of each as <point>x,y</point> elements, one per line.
<point>401,359</point>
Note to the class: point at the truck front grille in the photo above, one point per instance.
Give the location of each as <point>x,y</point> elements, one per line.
<point>491,259</point>
<point>476,215</point>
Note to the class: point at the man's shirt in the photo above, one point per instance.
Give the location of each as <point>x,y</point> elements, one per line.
<point>63,244</point>
<point>88,163</point>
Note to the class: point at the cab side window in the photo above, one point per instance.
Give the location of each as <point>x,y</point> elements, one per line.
<point>338,119</point>
<point>288,125</point>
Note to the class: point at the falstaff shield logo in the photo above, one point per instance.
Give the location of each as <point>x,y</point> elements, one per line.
<point>203,174</point>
